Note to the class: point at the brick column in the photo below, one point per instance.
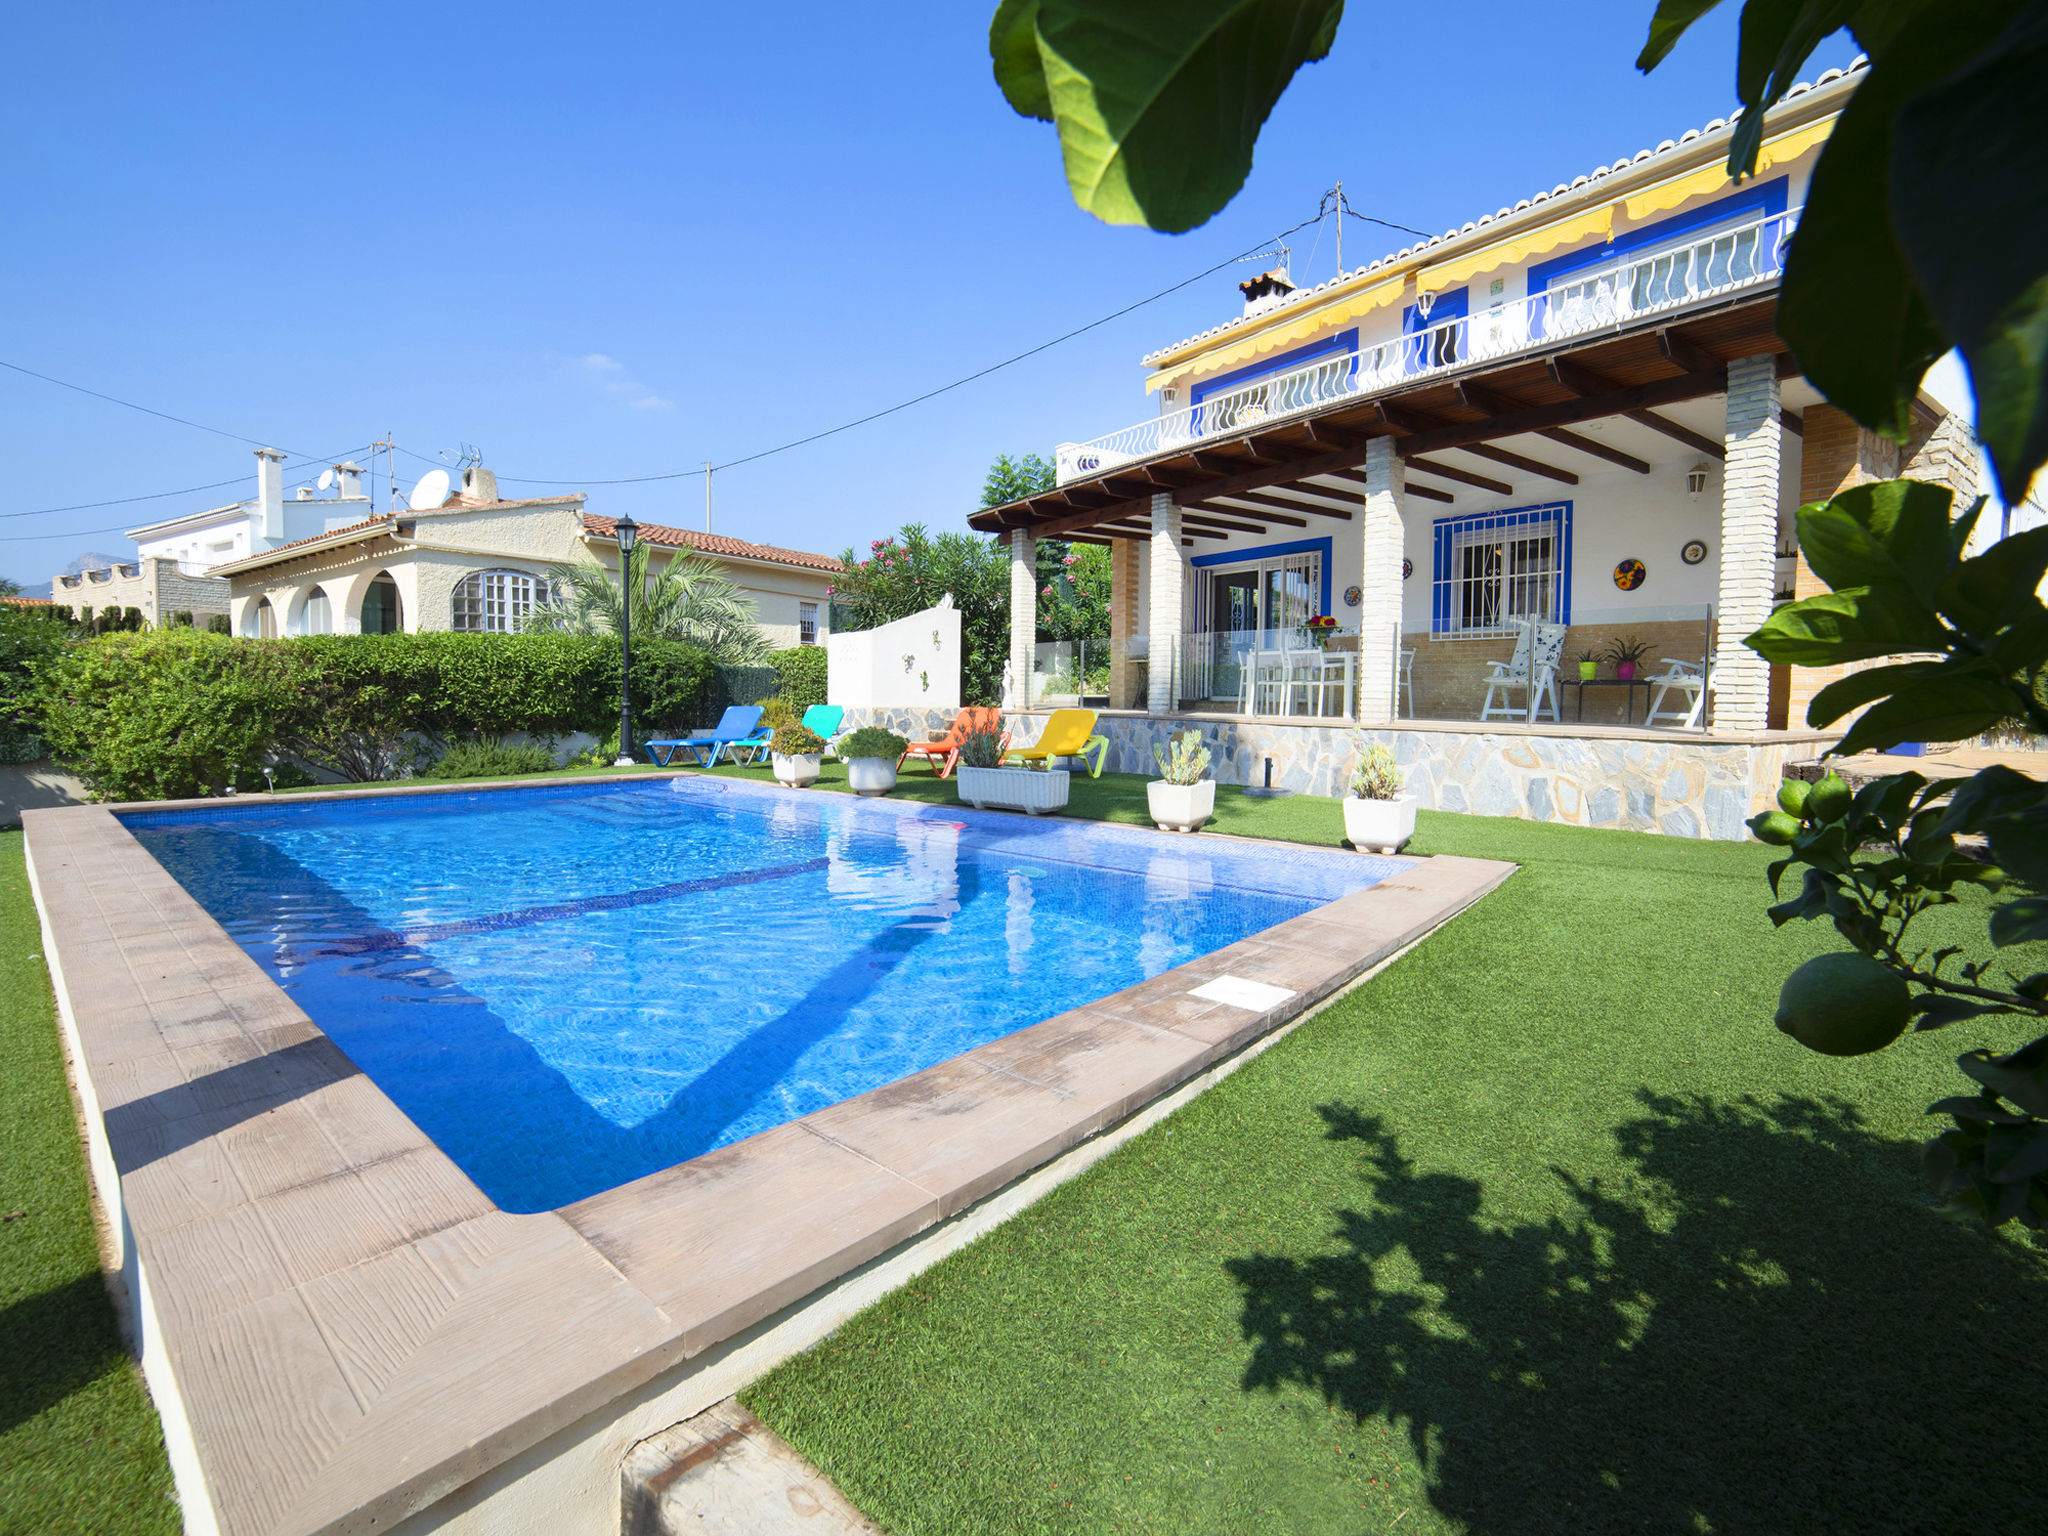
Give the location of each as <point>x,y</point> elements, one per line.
<point>1163,624</point>
<point>1379,583</point>
<point>1123,621</point>
<point>1023,610</point>
<point>1835,454</point>
<point>1749,543</point>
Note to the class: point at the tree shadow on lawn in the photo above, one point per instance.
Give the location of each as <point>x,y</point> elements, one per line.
<point>1757,1326</point>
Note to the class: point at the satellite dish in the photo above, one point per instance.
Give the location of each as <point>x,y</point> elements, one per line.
<point>326,479</point>
<point>431,491</point>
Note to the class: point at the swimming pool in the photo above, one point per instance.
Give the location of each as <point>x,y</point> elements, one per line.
<point>569,986</point>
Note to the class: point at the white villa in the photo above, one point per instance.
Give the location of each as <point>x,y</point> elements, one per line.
<point>479,564</point>
<point>1572,412</point>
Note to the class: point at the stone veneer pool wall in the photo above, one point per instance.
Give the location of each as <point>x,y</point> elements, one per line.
<point>1642,781</point>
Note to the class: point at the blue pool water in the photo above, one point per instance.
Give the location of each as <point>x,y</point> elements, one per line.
<point>569,986</point>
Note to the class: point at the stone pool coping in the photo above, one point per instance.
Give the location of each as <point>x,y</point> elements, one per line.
<point>340,1330</point>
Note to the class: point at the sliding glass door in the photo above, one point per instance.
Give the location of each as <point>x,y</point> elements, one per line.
<point>1260,605</point>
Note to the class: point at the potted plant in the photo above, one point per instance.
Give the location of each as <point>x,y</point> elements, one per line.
<point>983,781</point>
<point>798,753</point>
<point>1376,814</point>
<point>870,755</point>
<point>1181,798</point>
<point>1320,629</point>
<point>1625,652</point>
<point>1589,665</point>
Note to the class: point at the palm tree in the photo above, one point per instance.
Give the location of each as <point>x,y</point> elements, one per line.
<point>692,599</point>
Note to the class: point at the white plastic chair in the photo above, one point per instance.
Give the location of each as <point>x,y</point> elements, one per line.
<point>1532,671</point>
<point>1687,678</point>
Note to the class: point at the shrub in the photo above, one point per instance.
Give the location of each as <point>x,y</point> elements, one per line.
<point>217,624</point>
<point>1376,776</point>
<point>182,619</point>
<point>871,741</point>
<point>479,759</point>
<point>131,620</point>
<point>981,746</point>
<point>776,713</point>
<point>168,713</point>
<point>30,644</point>
<point>795,741</point>
<point>802,673</point>
<point>1186,762</point>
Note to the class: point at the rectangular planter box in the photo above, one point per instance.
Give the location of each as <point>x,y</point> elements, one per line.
<point>1013,789</point>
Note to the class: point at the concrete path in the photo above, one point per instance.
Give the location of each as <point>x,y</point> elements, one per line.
<point>725,1473</point>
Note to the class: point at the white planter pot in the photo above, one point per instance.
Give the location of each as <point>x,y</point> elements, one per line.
<point>799,770</point>
<point>871,775</point>
<point>1181,807</point>
<point>1013,789</point>
<point>1381,825</point>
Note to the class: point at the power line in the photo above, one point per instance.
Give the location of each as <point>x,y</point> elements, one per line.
<point>121,501</point>
<point>904,405</point>
<point>198,426</point>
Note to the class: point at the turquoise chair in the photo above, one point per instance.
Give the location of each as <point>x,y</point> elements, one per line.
<point>821,718</point>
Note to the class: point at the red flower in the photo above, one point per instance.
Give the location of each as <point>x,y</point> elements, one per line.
<point>1047,592</point>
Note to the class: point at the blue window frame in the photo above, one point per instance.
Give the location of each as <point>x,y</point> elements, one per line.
<point>1494,570</point>
<point>1271,552</point>
<point>1758,200</point>
<point>1444,347</point>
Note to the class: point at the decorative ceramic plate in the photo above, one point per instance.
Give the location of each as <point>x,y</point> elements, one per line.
<point>1630,574</point>
<point>1694,552</point>
<point>1351,597</point>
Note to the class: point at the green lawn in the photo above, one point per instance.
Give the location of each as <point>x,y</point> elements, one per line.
<point>1545,1229</point>
<point>80,1450</point>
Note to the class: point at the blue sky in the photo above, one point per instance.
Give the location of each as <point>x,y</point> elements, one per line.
<point>600,242</point>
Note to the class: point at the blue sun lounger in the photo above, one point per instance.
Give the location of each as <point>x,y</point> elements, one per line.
<point>739,725</point>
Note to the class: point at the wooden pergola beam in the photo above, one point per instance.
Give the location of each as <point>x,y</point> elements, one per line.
<point>1428,493</point>
<point>1464,476</point>
<point>1794,422</point>
<point>1262,514</point>
<point>1581,380</point>
<point>1266,499</point>
<point>1515,460</point>
<point>1512,418</point>
<point>1685,355</point>
<point>1210,520</point>
<point>1593,449</point>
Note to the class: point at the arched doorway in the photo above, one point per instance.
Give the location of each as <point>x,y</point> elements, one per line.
<point>263,620</point>
<point>317,616</point>
<point>381,614</point>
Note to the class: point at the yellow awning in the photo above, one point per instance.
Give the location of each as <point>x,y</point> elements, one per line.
<point>1278,338</point>
<point>1448,274</point>
<point>1713,178</point>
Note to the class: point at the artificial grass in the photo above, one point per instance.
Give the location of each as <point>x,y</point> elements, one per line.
<point>80,1446</point>
<point>1544,1229</point>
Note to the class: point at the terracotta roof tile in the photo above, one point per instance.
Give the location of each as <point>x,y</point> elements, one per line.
<point>27,602</point>
<point>713,544</point>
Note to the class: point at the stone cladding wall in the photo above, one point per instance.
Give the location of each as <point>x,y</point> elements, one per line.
<point>1668,785</point>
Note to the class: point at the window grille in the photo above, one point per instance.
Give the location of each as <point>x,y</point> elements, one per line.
<point>1498,570</point>
<point>806,623</point>
<point>496,602</point>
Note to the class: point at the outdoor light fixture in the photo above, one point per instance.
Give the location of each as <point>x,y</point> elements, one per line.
<point>1696,479</point>
<point>629,535</point>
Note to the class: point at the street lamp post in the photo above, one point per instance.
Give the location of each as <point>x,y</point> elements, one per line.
<point>629,535</point>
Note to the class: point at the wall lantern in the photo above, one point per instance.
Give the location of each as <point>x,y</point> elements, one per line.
<point>1696,479</point>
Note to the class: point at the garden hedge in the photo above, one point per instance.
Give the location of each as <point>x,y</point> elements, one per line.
<point>179,712</point>
<point>801,670</point>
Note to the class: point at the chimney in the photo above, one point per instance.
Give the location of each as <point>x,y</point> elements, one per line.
<point>1264,291</point>
<point>270,492</point>
<point>479,485</point>
<point>351,477</point>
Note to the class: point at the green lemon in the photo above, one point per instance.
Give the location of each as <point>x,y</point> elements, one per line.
<point>1828,800</point>
<point>1792,795</point>
<point>1844,1005</point>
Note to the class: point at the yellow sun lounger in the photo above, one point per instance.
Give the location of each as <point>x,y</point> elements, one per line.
<point>1069,733</point>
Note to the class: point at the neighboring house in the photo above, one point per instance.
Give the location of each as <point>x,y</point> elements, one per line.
<point>1574,411</point>
<point>480,564</point>
<point>171,572</point>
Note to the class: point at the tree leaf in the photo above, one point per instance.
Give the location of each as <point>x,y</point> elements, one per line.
<point>1984,595</point>
<point>2020,844</point>
<point>1859,688</point>
<point>1938,1011</point>
<point>1850,625</point>
<point>1991,795</point>
<point>1951,709</point>
<point>1974,147</point>
<point>1159,102</point>
<point>1888,535</point>
<point>1777,37</point>
<point>1013,49</point>
<point>2020,1085</point>
<point>2020,922</point>
<point>1667,27</point>
<point>1849,306</point>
